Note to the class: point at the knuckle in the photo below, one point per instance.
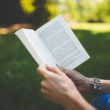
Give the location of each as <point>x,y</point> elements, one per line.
<point>43,83</point>
<point>38,69</point>
<point>48,76</point>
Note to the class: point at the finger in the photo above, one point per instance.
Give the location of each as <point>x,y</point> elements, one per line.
<point>43,91</point>
<point>68,72</point>
<point>43,72</point>
<point>63,69</point>
<point>54,69</point>
<point>45,85</point>
<point>50,99</point>
<point>46,92</point>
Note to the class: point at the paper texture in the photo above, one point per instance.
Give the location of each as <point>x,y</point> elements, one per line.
<point>35,47</point>
<point>62,43</point>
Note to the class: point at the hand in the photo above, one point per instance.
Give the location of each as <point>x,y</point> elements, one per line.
<point>56,86</point>
<point>82,82</point>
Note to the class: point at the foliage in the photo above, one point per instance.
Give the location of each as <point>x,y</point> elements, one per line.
<point>83,10</point>
<point>103,14</point>
<point>28,6</point>
<point>60,7</point>
<point>38,11</point>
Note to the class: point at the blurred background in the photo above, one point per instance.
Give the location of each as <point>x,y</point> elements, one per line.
<point>19,83</point>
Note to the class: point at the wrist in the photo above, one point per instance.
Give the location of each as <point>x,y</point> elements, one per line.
<point>70,98</point>
<point>86,85</point>
<point>77,102</point>
<point>95,85</point>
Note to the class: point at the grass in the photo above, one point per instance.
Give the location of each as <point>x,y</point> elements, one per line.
<point>95,27</point>
<point>19,83</point>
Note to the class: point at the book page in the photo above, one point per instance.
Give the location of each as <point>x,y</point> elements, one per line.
<point>62,43</point>
<point>35,46</point>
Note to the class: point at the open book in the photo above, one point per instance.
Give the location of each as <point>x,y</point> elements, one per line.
<point>54,43</point>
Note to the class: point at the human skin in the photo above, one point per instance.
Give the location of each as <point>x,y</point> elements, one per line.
<point>60,89</point>
<point>83,83</point>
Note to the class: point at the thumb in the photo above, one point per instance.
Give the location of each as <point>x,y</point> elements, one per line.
<point>43,72</point>
<point>54,69</point>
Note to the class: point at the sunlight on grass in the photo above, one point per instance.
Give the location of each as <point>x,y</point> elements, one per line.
<point>94,27</point>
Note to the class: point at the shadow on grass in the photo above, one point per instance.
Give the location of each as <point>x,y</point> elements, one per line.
<point>19,83</point>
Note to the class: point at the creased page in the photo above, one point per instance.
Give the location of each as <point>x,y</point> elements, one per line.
<point>62,43</point>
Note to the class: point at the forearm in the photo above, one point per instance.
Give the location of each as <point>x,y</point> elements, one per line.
<point>77,102</point>
<point>105,84</point>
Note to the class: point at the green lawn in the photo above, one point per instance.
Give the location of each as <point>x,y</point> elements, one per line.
<point>19,83</point>
<point>95,27</point>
